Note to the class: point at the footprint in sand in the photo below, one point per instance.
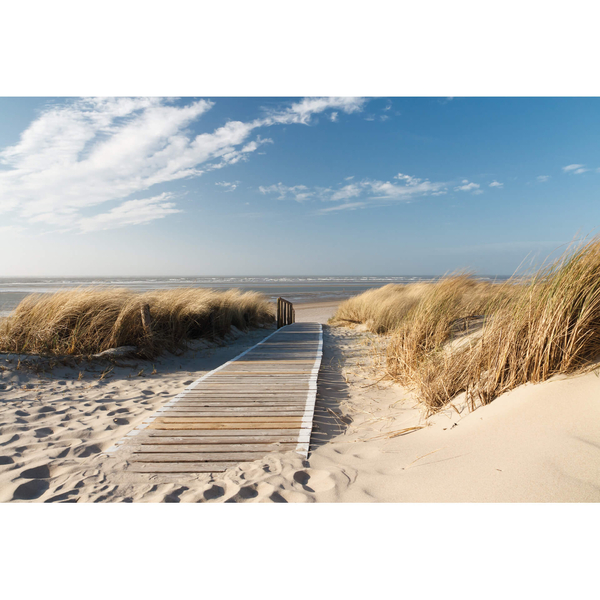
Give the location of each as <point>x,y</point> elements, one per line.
<point>277,497</point>
<point>85,451</point>
<point>320,481</point>
<point>64,497</point>
<point>31,490</point>
<point>22,413</point>
<point>6,460</point>
<point>121,421</point>
<point>41,472</point>
<point>245,493</point>
<point>47,409</point>
<point>43,432</point>
<point>214,492</point>
<point>14,438</point>
<point>174,495</point>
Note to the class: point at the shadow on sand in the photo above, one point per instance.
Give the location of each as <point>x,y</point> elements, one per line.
<point>329,422</point>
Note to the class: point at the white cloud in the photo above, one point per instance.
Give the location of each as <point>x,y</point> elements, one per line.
<point>228,185</point>
<point>372,191</point>
<point>347,206</point>
<point>348,191</point>
<point>334,116</point>
<point>388,105</point>
<point>468,187</point>
<point>543,178</point>
<point>296,192</point>
<point>576,169</point>
<point>496,184</point>
<point>132,212</point>
<point>302,112</point>
<point>81,154</point>
<point>349,178</point>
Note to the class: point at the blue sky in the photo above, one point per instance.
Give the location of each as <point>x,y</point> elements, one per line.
<point>276,186</point>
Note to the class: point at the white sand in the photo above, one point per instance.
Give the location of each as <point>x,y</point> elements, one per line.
<point>535,444</point>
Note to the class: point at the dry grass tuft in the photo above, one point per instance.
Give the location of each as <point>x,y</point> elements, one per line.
<point>513,333</point>
<point>88,320</point>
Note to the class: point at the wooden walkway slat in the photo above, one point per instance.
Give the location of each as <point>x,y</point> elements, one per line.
<point>260,402</point>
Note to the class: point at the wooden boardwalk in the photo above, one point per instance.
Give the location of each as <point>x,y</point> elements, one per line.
<point>261,401</point>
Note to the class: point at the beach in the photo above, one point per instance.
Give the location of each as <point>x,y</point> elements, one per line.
<point>370,441</point>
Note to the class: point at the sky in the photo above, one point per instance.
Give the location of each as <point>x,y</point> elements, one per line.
<point>293,186</point>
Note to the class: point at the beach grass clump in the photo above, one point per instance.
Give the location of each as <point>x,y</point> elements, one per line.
<point>433,307</point>
<point>87,321</point>
<point>461,335</point>
<point>380,309</point>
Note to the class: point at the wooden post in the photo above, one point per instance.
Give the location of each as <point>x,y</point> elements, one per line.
<point>286,315</point>
<point>146,320</point>
<point>278,313</point>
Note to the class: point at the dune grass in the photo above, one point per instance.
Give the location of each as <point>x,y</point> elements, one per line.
<point>529,329</point>
<point>86,321</point>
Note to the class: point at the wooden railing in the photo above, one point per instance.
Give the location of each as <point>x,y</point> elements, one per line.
<point>286,315</point>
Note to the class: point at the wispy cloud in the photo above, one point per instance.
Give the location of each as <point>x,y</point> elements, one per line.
<point>296,192</point>
<point>543,178</point>
<point>575,169</point>
<point>80,154</point>
<point>338,207</point>
<point>132,212</point>
<point>351,190</point>
<point>228,186</point>
<point>496,184</point>
<point>303,111</point>
<point>469,186</point>
<point>371,192</point>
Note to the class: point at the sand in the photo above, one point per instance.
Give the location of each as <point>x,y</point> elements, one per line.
<point>316,312</point>
<point>538,443</point>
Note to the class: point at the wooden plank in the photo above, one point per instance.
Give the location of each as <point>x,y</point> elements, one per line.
<point>181,467</point>
<point>213,440</point>
<point>274,362</point>
<point>253,432</point>
<point>245,447</point>
<point>237,404</point>
<point>229,426</point>
<point>214,394</point>
<point>233,411</point>
<point>196,457</point>
<point>233,419</point>
<point>241,402</point>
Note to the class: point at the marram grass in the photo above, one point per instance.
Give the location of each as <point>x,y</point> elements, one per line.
<point>528,330</point>
<point>86,321</point>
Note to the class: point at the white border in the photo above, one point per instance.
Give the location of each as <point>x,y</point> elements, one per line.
<point>311,398</point>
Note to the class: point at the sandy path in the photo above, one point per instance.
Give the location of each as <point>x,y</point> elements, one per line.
<point>316,312</point>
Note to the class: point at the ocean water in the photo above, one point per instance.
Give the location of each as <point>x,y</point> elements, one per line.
<point>297,290</point>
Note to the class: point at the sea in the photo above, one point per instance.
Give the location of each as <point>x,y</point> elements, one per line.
<point>298,290</point>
